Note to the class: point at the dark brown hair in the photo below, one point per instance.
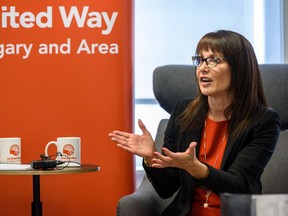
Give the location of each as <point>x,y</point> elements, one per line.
<point>246,83</point>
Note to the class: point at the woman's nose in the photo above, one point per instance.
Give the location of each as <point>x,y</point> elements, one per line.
<point>203,68</point>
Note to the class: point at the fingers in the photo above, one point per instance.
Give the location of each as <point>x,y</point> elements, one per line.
<point>158,155</point>
<point>167,152</point>
<point>192,149</point>
<point>158,161</point>
<point>192,144</point>
<point>120,137</point>
<point>142,127</point>
<point>120,134</point>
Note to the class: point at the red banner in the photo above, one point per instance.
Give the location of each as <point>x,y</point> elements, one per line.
<point>66,70</point>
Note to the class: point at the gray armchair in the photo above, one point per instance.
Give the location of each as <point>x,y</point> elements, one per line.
<point>174,82</point>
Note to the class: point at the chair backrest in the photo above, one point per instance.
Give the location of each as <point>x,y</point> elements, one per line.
<point>175,82</point>
<point>172,83</point>
<point>275,176</point>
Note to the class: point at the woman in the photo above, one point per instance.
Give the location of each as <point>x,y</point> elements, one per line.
<point>218,142</point>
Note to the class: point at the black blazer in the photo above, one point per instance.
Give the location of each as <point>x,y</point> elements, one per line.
<point>242,165</point>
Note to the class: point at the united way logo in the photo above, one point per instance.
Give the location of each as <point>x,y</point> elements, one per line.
<point>15,150</point>
<point>68,149</point>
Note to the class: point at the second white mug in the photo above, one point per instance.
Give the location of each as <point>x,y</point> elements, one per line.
<point>69,148</point>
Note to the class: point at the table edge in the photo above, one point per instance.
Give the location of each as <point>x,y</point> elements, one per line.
<point>84,168</point>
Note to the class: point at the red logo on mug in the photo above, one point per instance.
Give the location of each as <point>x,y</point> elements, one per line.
<point>14,149</point>
<point>68,149</point>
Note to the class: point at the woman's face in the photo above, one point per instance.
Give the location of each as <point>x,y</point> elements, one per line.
<point>214,82</point>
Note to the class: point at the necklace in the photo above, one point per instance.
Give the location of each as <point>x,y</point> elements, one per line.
<point>208,192</point>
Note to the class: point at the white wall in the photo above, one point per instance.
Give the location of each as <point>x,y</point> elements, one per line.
<point>285,24</point>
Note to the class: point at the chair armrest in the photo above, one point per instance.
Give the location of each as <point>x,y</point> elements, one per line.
<point>144,201</point>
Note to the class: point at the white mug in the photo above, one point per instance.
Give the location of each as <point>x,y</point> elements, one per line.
<point>69,149</point>
<point>10,150</point>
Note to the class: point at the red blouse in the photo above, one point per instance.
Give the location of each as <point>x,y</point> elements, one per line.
<point>216,140</point>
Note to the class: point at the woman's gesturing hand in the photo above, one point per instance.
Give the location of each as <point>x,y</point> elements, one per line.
<point>184,160</point>
<point>180,160</point>
<point>141,145</point>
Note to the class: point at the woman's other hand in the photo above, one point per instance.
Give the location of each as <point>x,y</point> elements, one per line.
<point>184,160</point>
